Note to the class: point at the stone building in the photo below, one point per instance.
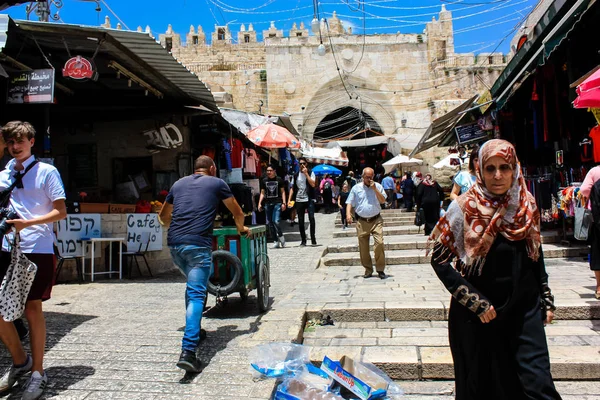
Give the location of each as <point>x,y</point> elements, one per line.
<point>395,84</point>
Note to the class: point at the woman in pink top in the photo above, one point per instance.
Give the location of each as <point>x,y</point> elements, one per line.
<point>586,188</point>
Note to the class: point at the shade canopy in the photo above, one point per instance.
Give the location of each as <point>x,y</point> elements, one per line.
<point>588,92</point>
<point>272,136</point>
<point>400,161</point>
<point>323,169</point>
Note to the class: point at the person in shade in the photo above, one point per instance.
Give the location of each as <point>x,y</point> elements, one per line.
<point>304,196</point>
<point>408,191</point>
<point>591,190</point>
<point>487,252</point>
<point>366,199</point>
<point>341,201</point>
<point>430,196</point>
<point>189,211</point>
<point>388,185</point>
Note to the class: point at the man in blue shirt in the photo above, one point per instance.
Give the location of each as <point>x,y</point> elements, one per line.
<point>389,185</point>
<point>190,209</point>
<point>366,199</point>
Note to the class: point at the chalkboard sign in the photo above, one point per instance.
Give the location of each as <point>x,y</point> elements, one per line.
<point>35,86</point>
<point>83,170</point>
<point>469,133</point>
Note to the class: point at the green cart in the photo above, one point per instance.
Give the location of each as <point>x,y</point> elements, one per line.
<point>240,264</point>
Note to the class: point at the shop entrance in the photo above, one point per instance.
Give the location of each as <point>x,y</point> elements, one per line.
<point>346,123</point>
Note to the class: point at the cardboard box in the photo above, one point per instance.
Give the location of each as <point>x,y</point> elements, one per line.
<point>361,381</point>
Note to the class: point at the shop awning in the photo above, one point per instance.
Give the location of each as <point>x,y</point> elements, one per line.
<point>551,30</point>
<point>137,52</point>
<point>322,155</point>
<point>441,129</point>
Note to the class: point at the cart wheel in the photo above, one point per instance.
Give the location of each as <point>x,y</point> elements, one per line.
<point>244,295</point>
<point>263,282</point>
<point>223,256</point>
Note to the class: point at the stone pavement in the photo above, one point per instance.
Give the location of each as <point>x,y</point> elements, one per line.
<point>121,340</point>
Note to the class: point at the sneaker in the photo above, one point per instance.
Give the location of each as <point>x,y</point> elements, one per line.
<point>14,374</point>
<point>302,244</point>
<point>35,386</point>
<point>276,245</point>
<point>282,241</point>
<point>189,362</point>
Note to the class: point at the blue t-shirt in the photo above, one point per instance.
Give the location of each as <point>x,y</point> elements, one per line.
<point>388,183</point>
<point>195,200</point>
<point>465,180</point>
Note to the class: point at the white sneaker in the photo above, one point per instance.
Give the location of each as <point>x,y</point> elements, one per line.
<point>282,241</point>
<point>35,386</point>
<point>276,245</point>
<point>14,374</point>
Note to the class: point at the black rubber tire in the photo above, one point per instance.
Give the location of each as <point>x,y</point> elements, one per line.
<point>238,272</point>
<point>263,281</point>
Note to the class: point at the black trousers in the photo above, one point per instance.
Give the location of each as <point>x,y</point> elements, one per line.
<point>301,209</point>
<point>343,212</point>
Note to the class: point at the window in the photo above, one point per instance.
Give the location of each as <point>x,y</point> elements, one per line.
<point>195,39</point>
<point>169,44</point>
<point>298,33</point>
<point>221,34</point>
<point>246,38</point>
<point>490,60</point>
<point>272,35</point>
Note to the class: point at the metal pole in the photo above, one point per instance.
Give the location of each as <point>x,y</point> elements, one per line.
<point>43,11</point>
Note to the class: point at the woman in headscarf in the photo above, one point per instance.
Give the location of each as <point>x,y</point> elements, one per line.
<point>487,253</point>
<point>430,196</point>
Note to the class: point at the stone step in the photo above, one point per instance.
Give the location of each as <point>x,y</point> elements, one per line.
<point>386,223</point>
<point>387,231</point>
<point>409,242</point>
<point>417,351</point>
<point>414,253</point>
<point>386,218</point>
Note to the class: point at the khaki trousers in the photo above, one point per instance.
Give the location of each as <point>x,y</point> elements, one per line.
<point>364,230</point>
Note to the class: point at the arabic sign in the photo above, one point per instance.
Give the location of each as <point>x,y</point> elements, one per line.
<point>71,231</point>
<point>35,86</point>
<point>79,68</point>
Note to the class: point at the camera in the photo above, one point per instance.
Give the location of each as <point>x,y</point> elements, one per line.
<point>6,214</point>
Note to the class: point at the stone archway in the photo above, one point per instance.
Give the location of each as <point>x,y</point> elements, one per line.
<point>332,96</point>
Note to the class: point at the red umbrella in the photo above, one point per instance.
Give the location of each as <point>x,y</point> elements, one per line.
<point>592,82</point>
<point>273,136</point>
<point>588,99</point>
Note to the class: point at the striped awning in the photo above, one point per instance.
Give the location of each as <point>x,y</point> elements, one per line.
<point>342,161</point>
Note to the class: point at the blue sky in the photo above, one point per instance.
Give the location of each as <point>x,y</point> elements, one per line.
<point>480,25</point>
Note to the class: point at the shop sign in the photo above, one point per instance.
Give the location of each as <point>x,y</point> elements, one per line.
<point>144,232</point>
<point>79,68</point>
<point>469,133</point>
<point>166,137</point>
<point>559,158</point>
<point>71,231</point>
<point>30,87</point>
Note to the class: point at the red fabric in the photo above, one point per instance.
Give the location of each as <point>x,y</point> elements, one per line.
<point>587,152</point>
<point>595,135</point>
<point>236,153</point>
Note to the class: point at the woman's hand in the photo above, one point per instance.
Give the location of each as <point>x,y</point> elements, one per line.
<point>488,316</point>
<point>549,317</point>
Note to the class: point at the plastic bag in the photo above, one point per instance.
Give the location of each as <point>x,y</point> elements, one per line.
<point>278,359</point>
<point>296,388</point>
<point>393,391</point>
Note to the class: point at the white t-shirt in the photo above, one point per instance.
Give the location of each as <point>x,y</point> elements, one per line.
<point>42,186</point>
<point>302,195</point>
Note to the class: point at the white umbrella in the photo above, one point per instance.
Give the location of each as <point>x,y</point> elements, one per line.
<point>400,161</point>
<point>450,161</point>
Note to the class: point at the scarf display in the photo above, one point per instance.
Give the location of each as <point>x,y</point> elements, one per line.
<point>475,218</point>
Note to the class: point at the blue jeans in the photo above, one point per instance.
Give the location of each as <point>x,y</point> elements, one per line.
<point>273,214</point>
<point>196,263</point>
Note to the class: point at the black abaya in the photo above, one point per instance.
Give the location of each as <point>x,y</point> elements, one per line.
<point>508,357</point>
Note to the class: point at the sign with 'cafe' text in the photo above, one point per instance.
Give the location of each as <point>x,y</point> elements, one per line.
<point>164,138</point>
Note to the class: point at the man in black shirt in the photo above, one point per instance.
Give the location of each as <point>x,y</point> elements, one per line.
<point>272,192</point>
<point>190,210</point>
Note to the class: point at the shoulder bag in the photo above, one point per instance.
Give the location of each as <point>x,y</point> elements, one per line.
<point>16,283</point>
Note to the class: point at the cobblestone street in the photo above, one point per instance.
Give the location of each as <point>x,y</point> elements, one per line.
<point>121,340</point>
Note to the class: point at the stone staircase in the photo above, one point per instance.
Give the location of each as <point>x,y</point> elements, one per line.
<point>400,323</point>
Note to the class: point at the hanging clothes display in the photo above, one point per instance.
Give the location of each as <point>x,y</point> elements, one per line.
<point>237,150</point>
<point>226,154</point>
<point>595,135</point>
<point>586,150</point>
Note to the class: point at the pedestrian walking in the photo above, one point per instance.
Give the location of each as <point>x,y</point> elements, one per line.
<point>303,195</point>
<point>465,179</point>
<point>326,187</point>
<point>351,179</point>
<point>272,192</point>
<point>38,197</point>
<point>408,191</point>
<point>342,201</point>
<point>487,252</point>
<point>430,196</point>
<point>590,190</point>
<point>388,185</point>
<point>189,211</point>
<point>365,201</point>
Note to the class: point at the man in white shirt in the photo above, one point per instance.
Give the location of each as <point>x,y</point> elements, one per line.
<point>39,200</point>
<point>366,199</point>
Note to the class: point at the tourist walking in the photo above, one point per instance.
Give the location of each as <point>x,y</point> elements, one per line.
<point>408,192</point>
<point>303,196</point>
<point>487,252</point>
<point>272,192</point>
<point>189,211</point>
<point>365,201</point>
<point>342,201</point>
<point>590,189</point>
<point>465,179</point>
<point>37,195</point>
<point>388,185</point>
<point>326,187</point>
<point>430,196</point>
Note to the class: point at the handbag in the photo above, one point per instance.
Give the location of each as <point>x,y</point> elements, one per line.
<point>16,283</point>
<point>583,222</point>
<point>420,217</point>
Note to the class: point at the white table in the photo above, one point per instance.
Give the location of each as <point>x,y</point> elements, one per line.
<point>92,242</point>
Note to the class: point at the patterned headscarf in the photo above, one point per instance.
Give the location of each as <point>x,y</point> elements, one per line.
<point>475,218</point>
